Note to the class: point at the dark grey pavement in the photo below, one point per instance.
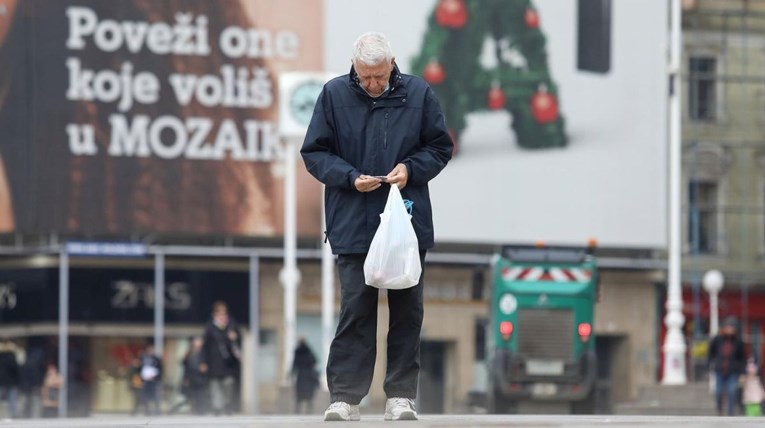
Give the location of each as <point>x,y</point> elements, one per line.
<point>513,421</point>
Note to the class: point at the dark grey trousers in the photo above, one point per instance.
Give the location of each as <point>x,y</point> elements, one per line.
<point>353,351</point>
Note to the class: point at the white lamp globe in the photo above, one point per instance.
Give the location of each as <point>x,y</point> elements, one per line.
<point>713,281</point>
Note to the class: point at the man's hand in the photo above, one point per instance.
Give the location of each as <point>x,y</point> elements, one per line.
<point>399,176</point>
<point>367,183</point>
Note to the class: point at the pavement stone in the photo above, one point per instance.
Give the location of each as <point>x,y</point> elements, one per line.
<point>367,420</point>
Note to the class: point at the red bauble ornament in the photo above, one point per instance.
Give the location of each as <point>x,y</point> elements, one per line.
<point>451,14</point>
<point>434,73</point>
<point>531,18</point>
<point>544,107</point>
<point>496,99</point>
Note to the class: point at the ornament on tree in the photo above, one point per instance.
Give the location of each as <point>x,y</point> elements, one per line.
<point>451,14</point>
<point>531,18</point>
<point>496,98</point>
<point>544,107</point>
<point>434,72</point>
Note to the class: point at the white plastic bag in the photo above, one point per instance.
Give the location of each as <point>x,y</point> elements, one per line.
<point>393,260</point>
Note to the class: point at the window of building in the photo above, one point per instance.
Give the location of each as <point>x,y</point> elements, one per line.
<point>702,216</point>
<point>702,99</point>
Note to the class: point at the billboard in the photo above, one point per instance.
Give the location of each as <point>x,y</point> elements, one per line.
<point>558,109</point>
<point>143,116</point>
<point>137,116</point>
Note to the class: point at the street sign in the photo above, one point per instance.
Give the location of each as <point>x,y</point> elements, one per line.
<point>105,249</point>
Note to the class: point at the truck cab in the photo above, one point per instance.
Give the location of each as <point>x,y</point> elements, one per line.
<point>541,341</point>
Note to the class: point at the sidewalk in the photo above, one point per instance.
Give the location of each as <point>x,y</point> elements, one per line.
<point>693,399</point>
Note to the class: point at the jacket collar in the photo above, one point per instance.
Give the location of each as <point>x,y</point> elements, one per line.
<point>395,81</point>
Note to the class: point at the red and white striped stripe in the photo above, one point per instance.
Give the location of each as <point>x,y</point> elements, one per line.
<point>541,274</point>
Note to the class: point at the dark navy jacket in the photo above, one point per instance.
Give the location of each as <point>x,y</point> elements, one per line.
<point>352,134</point>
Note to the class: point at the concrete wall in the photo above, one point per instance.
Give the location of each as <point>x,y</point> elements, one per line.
<point>628,309</point>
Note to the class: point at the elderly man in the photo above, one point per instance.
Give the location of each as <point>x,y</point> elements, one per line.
<point>372,128</point>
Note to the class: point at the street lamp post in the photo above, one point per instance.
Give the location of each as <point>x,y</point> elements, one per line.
<point>713,282</point>
<point>298,92</point>
<point>674,343</point>
<point>289,276</point>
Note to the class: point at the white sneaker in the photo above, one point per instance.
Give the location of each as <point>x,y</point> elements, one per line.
<point>342,411</point>
<point>400,409</point>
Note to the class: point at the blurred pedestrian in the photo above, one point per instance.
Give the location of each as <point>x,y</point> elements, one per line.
<point>135,383</point>
<point>151,376</point>
<point>32,375</point>
<point>754,394</point>
<point>222,356</point>
<point>78,381</point>
<point>9,375</point>
<point>306,378</point>
<point>727,361</point>
<point>50,391</point>
<point>194,386</point>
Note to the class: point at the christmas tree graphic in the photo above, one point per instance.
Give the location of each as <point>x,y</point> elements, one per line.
<point>519,82</point>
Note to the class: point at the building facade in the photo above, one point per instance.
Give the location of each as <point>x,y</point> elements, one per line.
<point>111,315</point>
<point>723,166</point>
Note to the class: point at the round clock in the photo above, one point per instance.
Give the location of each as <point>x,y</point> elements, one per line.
<point>303,99</point>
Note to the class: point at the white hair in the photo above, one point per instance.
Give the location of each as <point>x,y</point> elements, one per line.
<point>372,48</point>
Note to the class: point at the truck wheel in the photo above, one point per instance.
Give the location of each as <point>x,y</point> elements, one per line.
<point>499,404</point>
<point>585,406</point>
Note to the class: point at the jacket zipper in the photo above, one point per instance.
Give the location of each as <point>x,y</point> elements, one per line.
<point>385,132</point>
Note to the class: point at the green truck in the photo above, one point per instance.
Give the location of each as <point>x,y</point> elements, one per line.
<point>541,344</point>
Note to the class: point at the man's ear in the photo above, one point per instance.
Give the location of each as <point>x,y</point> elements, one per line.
<point>392,61</point>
